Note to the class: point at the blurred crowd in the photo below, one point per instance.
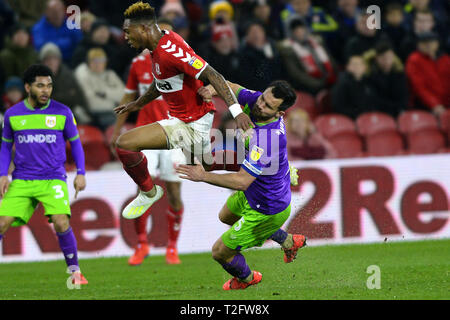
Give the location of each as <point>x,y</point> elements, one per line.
<point>325,49</point>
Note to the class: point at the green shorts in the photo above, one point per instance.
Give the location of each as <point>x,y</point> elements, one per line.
<point>23,196</point>
<point>254,228</point>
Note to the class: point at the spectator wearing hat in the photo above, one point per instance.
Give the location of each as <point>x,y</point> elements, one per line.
<point>65,87</point>
<point>13,92</point>
<point>222,13</point>
<point>259,59</point>
<point>306,61</point>
<point>428,72</point>
<point>53,28</point>
<point>387,77</point>
<point>220,53</point>
<point>102,87</point>
<point>100,37</point>
<point>18,54</point>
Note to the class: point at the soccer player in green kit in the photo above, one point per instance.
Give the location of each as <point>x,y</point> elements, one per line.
<point>39,128</point>
<point>259,208</point>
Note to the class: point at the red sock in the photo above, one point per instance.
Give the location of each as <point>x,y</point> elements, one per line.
<point>225,160</point>
<point>174,222</point>
<point>135,164</point>
<point>140,224</point>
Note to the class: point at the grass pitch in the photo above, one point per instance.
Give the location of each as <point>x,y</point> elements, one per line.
<point>409,270</point>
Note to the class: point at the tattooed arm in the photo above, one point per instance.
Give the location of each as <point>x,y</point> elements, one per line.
<point>151,94</point>
<point>222,88</point>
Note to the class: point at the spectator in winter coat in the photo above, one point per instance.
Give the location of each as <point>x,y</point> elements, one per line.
<point>428,73</point>
<point>306,61</point>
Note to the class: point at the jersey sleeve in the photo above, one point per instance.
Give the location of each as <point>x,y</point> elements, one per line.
<point>132,82</point>
<point>70,127</point>
<point>255,160</point>
<point>184,59</point>
<point>7,134</point>
<point>247,97</point>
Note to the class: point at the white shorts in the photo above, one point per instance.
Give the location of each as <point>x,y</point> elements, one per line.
<point>193,137</point>
<point>162,163</point>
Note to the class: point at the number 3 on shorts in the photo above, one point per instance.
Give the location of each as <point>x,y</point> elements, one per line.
<point>59,191</point>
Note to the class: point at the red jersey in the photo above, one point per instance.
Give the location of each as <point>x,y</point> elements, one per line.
<point>139,80</point>
<point>176,69</point>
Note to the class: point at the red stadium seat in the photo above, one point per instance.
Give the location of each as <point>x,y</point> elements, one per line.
<point>426,141</point>
<point>96,155</point>
<point>109,131</point>
<point>90,134</point>
<point>306,102</point>
<point>332,124</point>
<point>444,120</point>
<point>323,101</point>
<point>388,143</point>
<point>374,122</point>
<point>347,145</point>
<point>410,121</point>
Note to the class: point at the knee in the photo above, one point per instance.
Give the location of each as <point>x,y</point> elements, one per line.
<point>4,225</point>
<point>61,224</point>
<point>217,254</point>
<point>123,142</point>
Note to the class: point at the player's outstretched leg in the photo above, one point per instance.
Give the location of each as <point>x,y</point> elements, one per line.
<point>234,263</point>
<point>68,245</point>
<point>142,249</point>
<point>135,164</point>
<point>290,243</point>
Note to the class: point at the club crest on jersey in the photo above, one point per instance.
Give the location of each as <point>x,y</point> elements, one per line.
<point>196,63</point>
<point>50,121</point>
<point>256,153</point>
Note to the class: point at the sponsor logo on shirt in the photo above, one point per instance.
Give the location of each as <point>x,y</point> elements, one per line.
<point>50,121</point>
<point>36,138</point>
<point>171,84</point>
<point>196,63</point>
<point>256,153</point>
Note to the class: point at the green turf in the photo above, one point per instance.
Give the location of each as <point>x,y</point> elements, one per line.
<point>409,270</point>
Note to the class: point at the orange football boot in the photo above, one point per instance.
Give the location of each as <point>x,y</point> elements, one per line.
<point>235,283</point>
<point>172,256</point>
<point>141,252</point>
<point>291,253</point>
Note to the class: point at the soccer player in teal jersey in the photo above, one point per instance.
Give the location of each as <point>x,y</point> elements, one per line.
<point>261,205</point>
<point>39,128</point>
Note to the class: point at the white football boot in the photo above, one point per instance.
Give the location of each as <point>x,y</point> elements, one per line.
<point>141,203</point>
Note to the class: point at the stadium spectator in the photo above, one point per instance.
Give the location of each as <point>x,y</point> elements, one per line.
<point>261,10</point>
<point>18,54</point>
<point>428,72</point>
<point>221,13</point>
<point>364,39</point>
<point>100,37</point>
<point>13,92</point>
<point>303,140</point>
<point>306,61</point>
<point>53,28</point>
<point>111,10</point>
<point>259,61</point>
<point>436,7</point>
<point>172,10</point>
<point>388,80</point>
<point>393,25</point>
<point>102,87</point>
<point>7,19</point>
<point>352,94</point>
<point>345,15</point>
<point>86,21</point>
<point>220,52</point>
<point>316,18</point>
<point>423,22</point>
<point>65,87</point>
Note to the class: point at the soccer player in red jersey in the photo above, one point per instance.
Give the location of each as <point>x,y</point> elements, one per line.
<point>139,80</point>
<point>178,74</point>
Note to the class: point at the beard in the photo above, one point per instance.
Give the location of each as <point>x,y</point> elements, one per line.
<point>35,97</point>
<point>257,116</point>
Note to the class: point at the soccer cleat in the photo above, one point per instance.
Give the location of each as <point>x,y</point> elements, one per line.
<point>141,203</point>
<point>291,253</point>
<point>172,256</point>
<point>235,283</point>
<point>78,278</point>
<point>140,253</point>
